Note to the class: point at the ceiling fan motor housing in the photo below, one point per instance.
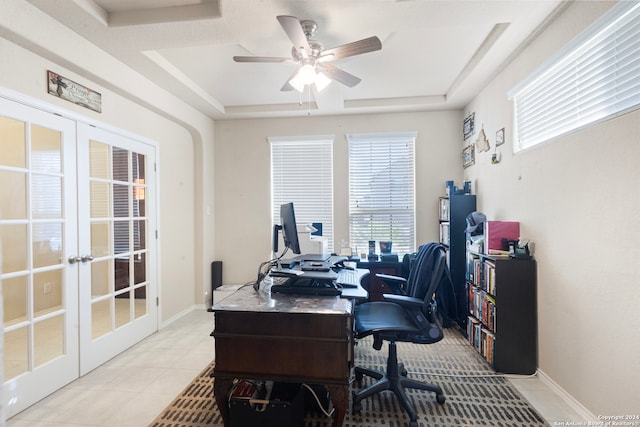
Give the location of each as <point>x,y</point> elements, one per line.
<point>309,27</point>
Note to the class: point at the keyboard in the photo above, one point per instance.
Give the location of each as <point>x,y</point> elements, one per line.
<point>307,287</point>
<point>347,278</point>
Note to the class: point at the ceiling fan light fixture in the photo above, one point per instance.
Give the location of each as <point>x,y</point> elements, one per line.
<point>307,74</point>
<point>322,81</point>
<point>296,83</point>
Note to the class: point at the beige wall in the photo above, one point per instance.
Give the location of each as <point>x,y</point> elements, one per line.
<point>578,199</point>
<point>242,170</point>
<point>135,105</point>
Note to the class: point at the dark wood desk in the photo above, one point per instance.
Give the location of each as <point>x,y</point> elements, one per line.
<point>289,338</point>
<point>376,287</point>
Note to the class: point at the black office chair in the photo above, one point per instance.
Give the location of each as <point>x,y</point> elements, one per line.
<point>416,263</point>
<point>402,318</point>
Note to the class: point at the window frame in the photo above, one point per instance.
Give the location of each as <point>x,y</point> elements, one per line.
<point>405,242</point>
<point>318,208</point>
<point>594,99</point>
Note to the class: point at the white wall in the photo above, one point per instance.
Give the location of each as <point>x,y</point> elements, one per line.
<point>578,199</point>
<point>32,43</point>
<point>242,171</point>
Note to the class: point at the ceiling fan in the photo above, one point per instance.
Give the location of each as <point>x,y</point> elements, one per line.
<point>312,59</point>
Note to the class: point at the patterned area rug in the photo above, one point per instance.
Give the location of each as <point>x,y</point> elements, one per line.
<point>475,395</point>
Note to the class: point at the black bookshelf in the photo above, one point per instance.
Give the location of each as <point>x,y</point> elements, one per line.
<point>501,310</point>
<point>453,214</point>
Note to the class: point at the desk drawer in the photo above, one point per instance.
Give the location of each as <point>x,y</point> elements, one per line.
<point>283,347</point>
<point>283,324</point>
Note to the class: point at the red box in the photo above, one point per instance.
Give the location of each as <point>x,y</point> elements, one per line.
<point>495,231</point>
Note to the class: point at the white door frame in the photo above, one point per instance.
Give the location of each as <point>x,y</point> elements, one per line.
<point>34,390</point>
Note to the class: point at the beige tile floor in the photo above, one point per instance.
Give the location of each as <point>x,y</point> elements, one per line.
<point>132,389</point>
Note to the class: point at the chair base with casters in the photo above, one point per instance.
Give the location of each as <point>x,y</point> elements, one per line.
<point>395,380</point>
<point>402,318</point>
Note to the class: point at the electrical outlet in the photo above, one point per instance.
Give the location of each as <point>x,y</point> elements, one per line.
<point>47,288</point>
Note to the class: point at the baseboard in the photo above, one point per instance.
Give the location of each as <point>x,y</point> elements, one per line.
<point>582,411</point>
<point>179,315</point>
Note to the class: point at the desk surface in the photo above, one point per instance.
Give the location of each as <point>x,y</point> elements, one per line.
<point>247,299</point>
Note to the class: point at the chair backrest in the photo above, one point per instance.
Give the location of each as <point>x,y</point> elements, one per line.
<point>426,270</point>
<point>429,277</point>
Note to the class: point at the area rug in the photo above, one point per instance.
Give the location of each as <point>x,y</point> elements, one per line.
<point>475,395</point>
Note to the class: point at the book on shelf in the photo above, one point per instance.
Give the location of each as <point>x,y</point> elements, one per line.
<point>487,345</point>
<point>444,233</point>
<point>489,282</point>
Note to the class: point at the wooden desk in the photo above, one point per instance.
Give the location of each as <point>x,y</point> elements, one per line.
<point>289,338</point>
<point>376,287</point>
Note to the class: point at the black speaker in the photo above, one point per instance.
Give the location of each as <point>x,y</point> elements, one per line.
<point>216,274</point>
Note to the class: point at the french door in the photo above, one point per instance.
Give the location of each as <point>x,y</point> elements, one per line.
<point>116,225</point>
<point>78,249</point>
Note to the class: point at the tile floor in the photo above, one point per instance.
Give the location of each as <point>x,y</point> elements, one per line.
<point>132,389</point>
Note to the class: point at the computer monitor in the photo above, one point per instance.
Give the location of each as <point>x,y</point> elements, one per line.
<point>289,229</point>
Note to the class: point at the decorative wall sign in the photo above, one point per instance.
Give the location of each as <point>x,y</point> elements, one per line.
<point>469,125</point>
<point>73,92</point>
<point>468,156</point>
<point>500,137</point>
<point>482,143</point>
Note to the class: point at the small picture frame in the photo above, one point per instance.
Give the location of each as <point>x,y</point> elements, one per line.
<point>500,137</point>
<point>468,127</point>
<point>468,156</point>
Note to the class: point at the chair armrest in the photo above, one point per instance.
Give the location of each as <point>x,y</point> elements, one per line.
<point>403,300</point>
<point>410,303</point>
<point>396,284</point>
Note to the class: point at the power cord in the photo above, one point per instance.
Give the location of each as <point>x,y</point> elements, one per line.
<point>265,267</point>
<point>317,399</point>
<point>486,375</point>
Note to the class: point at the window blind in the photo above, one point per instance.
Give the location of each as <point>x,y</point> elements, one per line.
<point>381,190</point>
<point>593,78</point>
<point>302,173</point>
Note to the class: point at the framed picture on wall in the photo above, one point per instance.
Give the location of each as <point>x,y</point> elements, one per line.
<point>500,137</point>
<point>469,126</point>
<point>468,156</point>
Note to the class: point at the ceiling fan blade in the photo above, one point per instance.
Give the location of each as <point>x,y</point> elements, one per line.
<point>291,26</point>
<point>261,59</point>
<point>350,49</point>
<point>339,75</point>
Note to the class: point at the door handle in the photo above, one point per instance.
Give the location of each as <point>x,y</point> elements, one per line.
<point>83,258</point>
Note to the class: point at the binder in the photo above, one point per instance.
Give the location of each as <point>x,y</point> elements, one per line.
<point>495,231</point>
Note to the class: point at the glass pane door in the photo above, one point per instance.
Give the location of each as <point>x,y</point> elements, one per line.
<point>117,290</point>
<point>37,233</point>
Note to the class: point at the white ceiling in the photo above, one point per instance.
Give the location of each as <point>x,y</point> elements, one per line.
<point>435,54</point>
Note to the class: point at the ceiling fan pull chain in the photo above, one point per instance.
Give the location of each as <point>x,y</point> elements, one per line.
<point>309,100</point>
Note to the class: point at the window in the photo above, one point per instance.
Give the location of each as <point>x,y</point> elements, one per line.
<point>381,190</point>
<point>593,78</point>
<point>302,173</point>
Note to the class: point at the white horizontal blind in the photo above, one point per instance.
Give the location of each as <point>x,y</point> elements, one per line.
<point>594,78</point>
<point>302,173</point>
<point>381,190</point>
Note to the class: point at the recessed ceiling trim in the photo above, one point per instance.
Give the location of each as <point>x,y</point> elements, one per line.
<point>479,55</point>
<point>274,108</point>
<point>208,9</point>
<point>409,101</point>
<point>93,9</point>
<point>184,79</point>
